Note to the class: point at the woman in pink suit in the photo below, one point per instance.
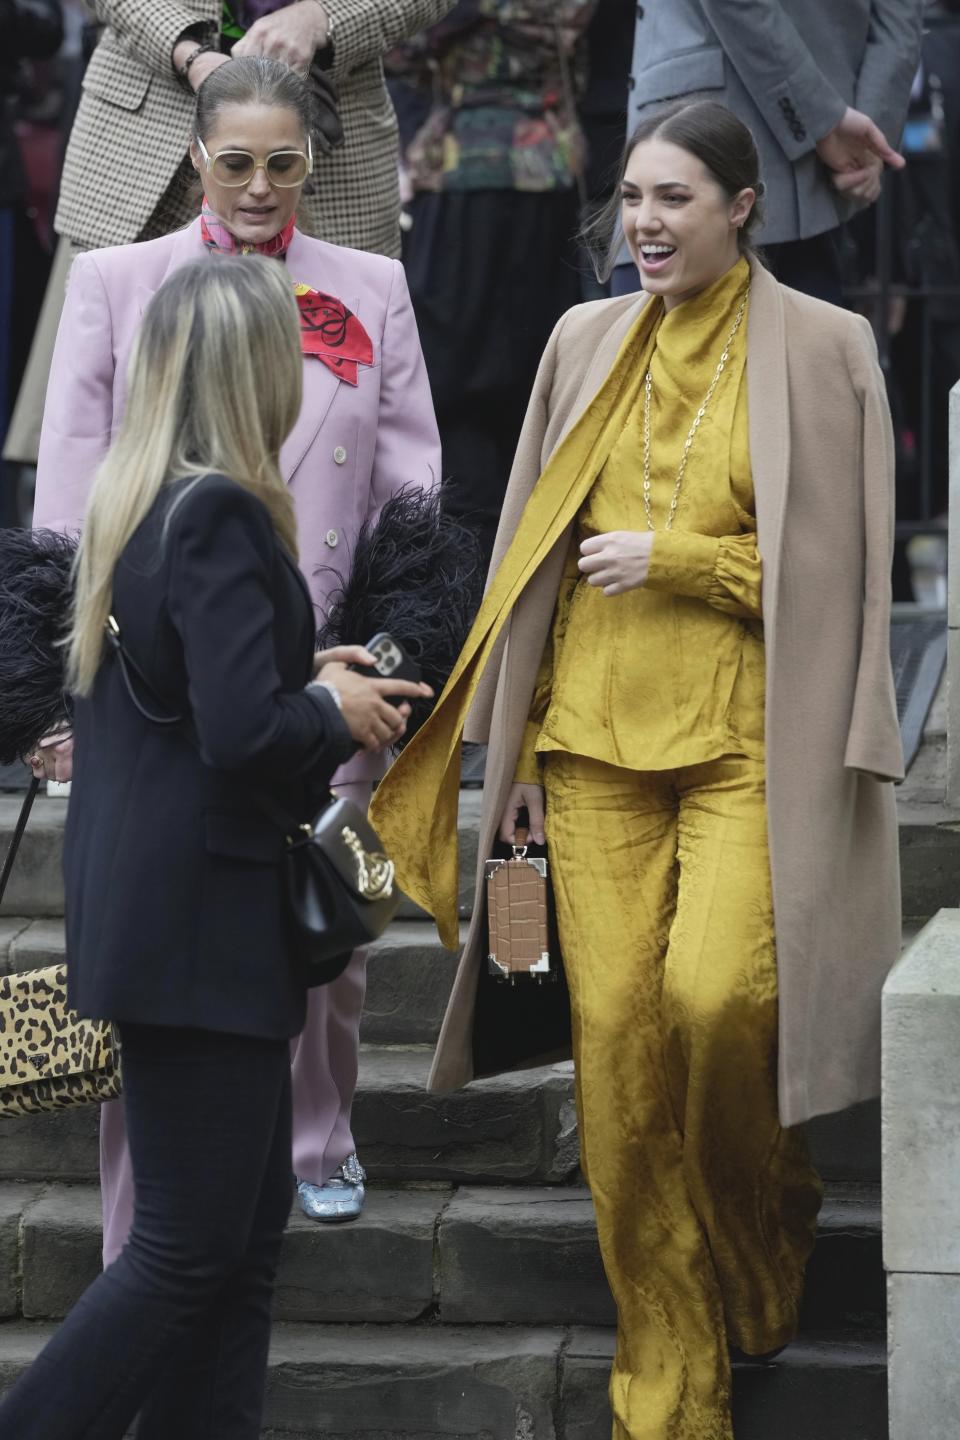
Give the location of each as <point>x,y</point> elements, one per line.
<point>366,427</point>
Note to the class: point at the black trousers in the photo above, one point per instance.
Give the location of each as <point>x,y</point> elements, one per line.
<point>490,273</point>
<point>178,1328</point>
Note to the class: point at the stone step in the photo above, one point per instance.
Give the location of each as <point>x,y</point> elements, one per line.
<point>28,943</point>
<point>517,1256</point>
<point>518,1128</point>
<point>379,1268</point>
<point>425,1382</point>
<point>929,856</point>
<point>833,1388</point>
<point>36,884</point>
<point>409,975</point>
<point>409,978</point>
<point>522,1256</point>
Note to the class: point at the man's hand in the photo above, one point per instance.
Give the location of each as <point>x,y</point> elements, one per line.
<point>618,561</point>
<point>856,151</point>
<point>293,34</point>
<point>864,184</point>
<point>202,66</point>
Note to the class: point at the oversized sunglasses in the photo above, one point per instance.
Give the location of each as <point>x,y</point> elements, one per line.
<point>283,168</point>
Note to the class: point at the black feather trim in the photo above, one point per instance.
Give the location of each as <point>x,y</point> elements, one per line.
<point>35,593</point>
<point>418,574</point>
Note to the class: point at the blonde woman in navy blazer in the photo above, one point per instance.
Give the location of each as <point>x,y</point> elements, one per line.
<point>352,446</point>
<point>177,926</point>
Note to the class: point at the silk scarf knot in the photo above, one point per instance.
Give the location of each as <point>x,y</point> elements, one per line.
<point>217,237</point>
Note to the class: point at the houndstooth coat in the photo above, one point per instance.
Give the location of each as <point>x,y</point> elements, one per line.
<point>123,176</point>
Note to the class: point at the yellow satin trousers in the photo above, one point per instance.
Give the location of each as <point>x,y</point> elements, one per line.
<point>706,1209</point>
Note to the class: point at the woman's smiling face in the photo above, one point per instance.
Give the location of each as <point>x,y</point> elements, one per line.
<point>680,225</point>
<point>258,210</point>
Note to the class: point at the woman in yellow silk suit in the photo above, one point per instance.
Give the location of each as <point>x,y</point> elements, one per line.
<point>682,669</point>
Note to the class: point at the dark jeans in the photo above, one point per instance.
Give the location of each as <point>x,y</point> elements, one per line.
<point>178,1328</point>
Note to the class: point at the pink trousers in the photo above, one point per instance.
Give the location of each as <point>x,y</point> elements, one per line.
<point>324,1063</point>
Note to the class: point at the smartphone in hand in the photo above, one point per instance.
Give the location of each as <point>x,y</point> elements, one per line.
<point>391,662</point>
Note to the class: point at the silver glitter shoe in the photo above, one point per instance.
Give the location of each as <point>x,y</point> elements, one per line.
<point>341,1198</point>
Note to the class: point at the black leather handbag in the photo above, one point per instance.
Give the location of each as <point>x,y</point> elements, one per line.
<point>340,887</point>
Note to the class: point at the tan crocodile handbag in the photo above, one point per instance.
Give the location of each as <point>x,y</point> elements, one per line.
<point>518,916</point>
<point>49,1057</point>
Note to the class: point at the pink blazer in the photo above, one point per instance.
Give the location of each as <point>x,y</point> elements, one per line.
<point>351,447</point>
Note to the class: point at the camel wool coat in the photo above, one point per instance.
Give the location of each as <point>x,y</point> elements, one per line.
<point>822,458</point>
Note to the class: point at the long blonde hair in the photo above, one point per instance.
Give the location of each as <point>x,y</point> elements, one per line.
<point>214,385</point>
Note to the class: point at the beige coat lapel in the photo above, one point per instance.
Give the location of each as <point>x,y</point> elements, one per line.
<point>612,321</point>
<point>599,367</point>
<point>537,603</point>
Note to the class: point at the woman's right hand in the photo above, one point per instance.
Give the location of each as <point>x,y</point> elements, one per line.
<point>52,757</point>
<point>372,720</point>
<point>530,797</point>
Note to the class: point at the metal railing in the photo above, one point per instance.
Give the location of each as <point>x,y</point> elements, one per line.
<point>875,298</point>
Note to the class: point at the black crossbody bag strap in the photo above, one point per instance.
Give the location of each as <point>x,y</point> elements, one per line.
<point>288,823</point>
<point>127,664</point>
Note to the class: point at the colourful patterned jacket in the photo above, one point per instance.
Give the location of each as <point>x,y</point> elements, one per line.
<point>500,78</point>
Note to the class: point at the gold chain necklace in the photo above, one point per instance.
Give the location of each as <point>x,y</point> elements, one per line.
<point>691,436</point>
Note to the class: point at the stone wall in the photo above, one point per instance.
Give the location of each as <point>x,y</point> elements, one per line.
<point>921,1182</point>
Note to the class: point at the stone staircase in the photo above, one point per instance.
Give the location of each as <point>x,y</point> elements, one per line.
<point>468,1303</point>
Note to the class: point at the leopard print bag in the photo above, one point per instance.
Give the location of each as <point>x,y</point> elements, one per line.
<point>49,1057</point>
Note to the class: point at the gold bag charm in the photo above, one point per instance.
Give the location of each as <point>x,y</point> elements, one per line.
<point>375,873</point>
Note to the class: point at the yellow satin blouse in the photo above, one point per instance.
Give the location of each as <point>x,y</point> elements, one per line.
<point>671,673</point>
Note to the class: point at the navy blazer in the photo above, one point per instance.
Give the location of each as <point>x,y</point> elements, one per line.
<point>174,902</point>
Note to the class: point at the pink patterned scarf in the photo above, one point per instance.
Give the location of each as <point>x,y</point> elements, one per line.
<point>216,236</point>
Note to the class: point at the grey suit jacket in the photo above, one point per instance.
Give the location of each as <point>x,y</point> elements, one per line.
<point>789,69</point>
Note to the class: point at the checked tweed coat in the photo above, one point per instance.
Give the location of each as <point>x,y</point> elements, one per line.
<point>130,137</point>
